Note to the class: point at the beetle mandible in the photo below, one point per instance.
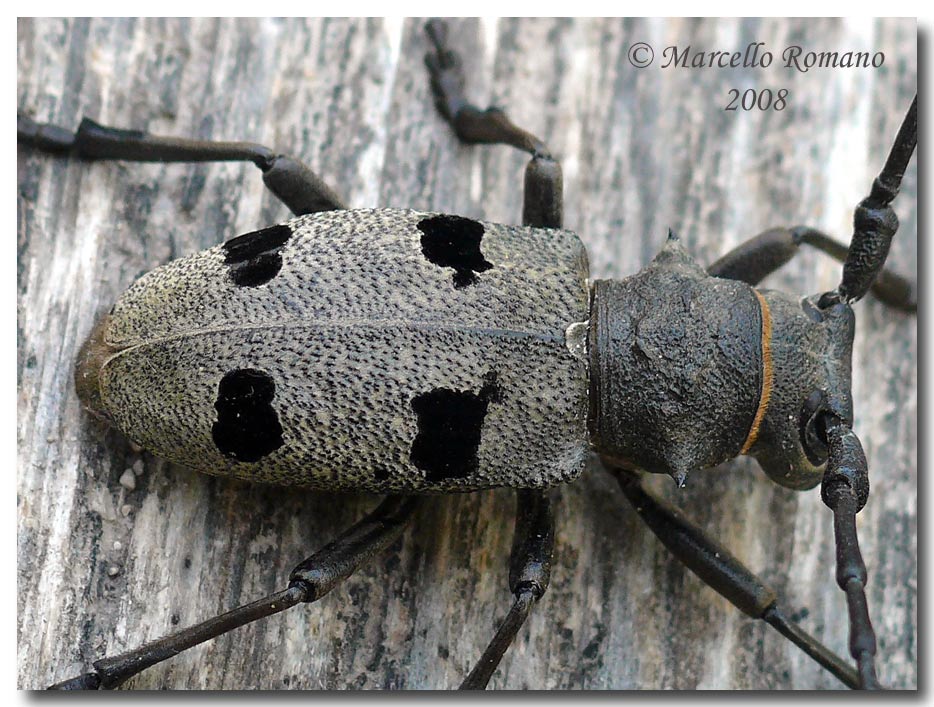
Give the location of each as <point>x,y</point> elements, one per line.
<point>591,629</point>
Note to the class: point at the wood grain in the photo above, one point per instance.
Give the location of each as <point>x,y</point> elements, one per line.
<point>104,565</point>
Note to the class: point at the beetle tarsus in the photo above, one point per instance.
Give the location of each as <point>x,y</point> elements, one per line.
<point>470,123</point>
<point>88,681</point>
<point>43,136</point>
<point>293,183</point>
<point>529,576</point>
<point>543,200</point>
<point>309,581</point>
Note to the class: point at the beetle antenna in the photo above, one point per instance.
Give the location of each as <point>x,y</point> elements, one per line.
<point>845,490</point>
<point>874,220</point>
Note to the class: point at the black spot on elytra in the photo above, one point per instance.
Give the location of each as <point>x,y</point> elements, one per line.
<point>247,426</point>
<point>454,242</point>
<point>380,473</point>
<point>254,258</point>
<point>449,426</point>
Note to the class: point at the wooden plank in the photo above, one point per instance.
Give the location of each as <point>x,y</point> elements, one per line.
<point>104,565</point>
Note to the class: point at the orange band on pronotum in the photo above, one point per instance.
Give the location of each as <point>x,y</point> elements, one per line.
<point>766,373</point>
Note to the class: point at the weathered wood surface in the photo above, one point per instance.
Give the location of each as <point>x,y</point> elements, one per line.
<point>103,567</point>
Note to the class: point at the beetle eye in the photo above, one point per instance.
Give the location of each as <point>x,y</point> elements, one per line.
<point>811,440</point>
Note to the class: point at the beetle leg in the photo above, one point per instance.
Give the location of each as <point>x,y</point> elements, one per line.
<point>543,200</point>
<point>292,182</point>
<point>752,261</point>
<point>308,582</point>
<point>720,570</point>
<point>875,224</point>
<point>471,124</point>
<point>529,573</point>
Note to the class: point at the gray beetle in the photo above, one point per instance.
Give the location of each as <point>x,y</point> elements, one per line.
<point>483,390</point>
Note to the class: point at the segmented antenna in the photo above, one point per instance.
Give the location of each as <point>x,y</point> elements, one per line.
<point>874,220</point>
<point>845,489</point>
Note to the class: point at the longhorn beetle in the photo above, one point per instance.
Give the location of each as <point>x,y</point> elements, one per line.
<point>580,627</point>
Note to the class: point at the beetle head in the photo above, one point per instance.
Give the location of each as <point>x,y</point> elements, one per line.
<point>811,351</point>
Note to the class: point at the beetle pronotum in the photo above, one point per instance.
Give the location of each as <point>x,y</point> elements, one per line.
<point>103,566</point>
